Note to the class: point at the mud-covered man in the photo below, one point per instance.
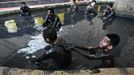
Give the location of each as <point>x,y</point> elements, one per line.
<point>90,12</point>
<point>25,10</point>
<point>61,57</point>
<point>108,16</point>
<point>103,51</point>
<point>26,14</point>
<point>74,10</point>
<point>52,20</point>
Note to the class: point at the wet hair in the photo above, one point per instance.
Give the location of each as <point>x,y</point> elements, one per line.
<point>74,0</point>
<point>23,3</point>
<point>110,4</point>
<point>51,34</point>
<point>51,10</point>
<point>114,39</point>
<point>94,1</point>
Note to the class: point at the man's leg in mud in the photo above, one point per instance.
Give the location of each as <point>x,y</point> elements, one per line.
<point>105,63</point>
<point>73,18</point>
<point>47,64</point>
<point>24,21</point>
<point>40,62</point>
<point>29,20</point>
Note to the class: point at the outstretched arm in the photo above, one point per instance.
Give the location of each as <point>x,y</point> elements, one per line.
<point>93,57</point>
<point>89,48</point>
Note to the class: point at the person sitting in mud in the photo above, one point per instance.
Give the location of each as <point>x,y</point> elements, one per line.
<point>26,14</point>
<point>25,10</point>
<point>52,20</point>
<point>108,16</point>
<point>73,11</point>
<point>90,13</point>
<point>103,51</point>
<point>61,57</point>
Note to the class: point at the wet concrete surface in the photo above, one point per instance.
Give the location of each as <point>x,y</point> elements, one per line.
<point>81,33</point>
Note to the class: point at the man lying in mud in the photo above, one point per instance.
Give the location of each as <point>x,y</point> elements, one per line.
<point>103,51</point>
<point>61,57</point>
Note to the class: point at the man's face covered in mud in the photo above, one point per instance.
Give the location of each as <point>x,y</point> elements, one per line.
<point>105,42</point>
